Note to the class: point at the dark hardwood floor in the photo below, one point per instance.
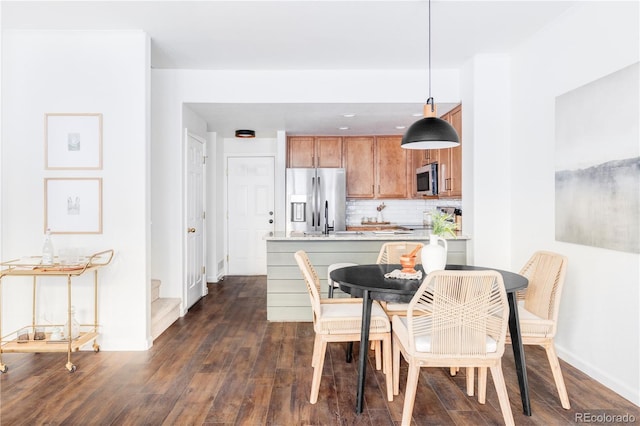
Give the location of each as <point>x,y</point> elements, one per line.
<point>223,363</point>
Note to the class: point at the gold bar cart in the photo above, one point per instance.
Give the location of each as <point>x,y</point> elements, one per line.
<point>31,266</point>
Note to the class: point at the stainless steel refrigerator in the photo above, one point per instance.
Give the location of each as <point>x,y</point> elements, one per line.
<point>316,200</point>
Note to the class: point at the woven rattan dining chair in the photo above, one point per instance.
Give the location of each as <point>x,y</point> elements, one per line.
<point>390,254</point>
<point>375,345</point>
<point>340,320</point>
<point>538,307</point>
<point>455,318</point>
<point>331,284</point>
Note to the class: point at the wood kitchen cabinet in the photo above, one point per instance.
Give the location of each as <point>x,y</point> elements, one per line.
<point>450,160</point>
<point>422,157</point>
<point>376,166</point>
<point>314,151</point>
<point>359,163</point>
<point>391,167</point>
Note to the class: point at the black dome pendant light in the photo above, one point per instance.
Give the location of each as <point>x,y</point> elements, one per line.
<point>430,132</point>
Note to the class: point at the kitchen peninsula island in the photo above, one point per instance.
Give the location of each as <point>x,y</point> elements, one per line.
<point>287,297</point>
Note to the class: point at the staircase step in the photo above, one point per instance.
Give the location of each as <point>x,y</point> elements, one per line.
<point>164,312</point>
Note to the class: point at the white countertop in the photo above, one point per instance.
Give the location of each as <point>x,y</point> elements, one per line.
<point>358,236</point>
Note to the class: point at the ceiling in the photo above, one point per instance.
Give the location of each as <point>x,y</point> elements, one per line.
<point>303,35</point>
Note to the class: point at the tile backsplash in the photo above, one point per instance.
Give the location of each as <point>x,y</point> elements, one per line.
<point>402,212</point>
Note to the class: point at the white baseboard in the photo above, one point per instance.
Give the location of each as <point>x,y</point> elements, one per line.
<point>215,279</point>
<point>623,389</point>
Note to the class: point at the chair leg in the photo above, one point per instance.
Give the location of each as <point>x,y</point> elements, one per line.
<point>318,363</point>
<point>317,344</point>
<point>503,397</point>
<point>330,291</point>
<point>378,353</point>
<point>482,385</point>
<point>453,371</point>
<point>410,393</point>
<point>470,381</point>
<point>386,367</point>
<point>349,353</point>
<point>396,367</point>
<point>557,375</point>
<point>388,371</point>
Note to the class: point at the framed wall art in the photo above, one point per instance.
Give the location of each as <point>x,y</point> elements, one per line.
<point>73,141</point>
<point>597,179</point>
<point>73,205</point>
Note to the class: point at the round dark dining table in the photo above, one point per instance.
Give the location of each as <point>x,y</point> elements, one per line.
<point>369,283</point>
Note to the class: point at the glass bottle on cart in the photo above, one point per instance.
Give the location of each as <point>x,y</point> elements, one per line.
<point>75,326</point>
<point>47,249</point>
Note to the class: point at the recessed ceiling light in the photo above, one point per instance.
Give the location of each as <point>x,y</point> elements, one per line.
<point>343,128</point>
<point>348,115</point>
<point>417,114</point>
<point>401,127</point>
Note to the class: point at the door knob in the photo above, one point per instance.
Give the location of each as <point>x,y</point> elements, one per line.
<point>191,230</point>
<point>270,220</point>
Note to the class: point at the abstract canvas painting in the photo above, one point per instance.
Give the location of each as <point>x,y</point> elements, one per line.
<point>597,179</point>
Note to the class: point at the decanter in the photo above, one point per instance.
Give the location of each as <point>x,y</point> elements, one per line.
<point>75,326</point>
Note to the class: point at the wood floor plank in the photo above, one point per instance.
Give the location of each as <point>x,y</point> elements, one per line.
<point>283,406</point>
<point>224,364</point>
<point>145,409</point>
<point>267,358</point>
<point>451,397</point>
<point>195,403</point>
<point>234,385</point>
<point>255,405</point>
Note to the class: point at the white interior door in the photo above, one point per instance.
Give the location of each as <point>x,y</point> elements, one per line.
<point>250,213</point>
<point>194,231</point>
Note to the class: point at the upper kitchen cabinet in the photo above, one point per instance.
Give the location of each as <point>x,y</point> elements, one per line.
<point>377,167</point>
<point>450,160</point>
<point>314,151</point>
<point>358,156</point>
<point>422,157</point>
<point>391,167</point>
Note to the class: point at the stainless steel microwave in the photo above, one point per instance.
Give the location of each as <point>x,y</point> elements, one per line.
<point>427,179</point>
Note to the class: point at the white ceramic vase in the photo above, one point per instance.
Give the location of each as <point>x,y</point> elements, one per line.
<point>434,254</point>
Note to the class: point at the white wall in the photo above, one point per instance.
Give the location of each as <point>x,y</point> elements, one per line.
<point>219,259</point>
<point>167,176</point>
<point>1,156</point>
<point>599,315</point>
<point>79,71</point>
<point>486,159</point>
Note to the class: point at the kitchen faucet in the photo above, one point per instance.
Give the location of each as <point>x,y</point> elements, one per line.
<point>327,228</point>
